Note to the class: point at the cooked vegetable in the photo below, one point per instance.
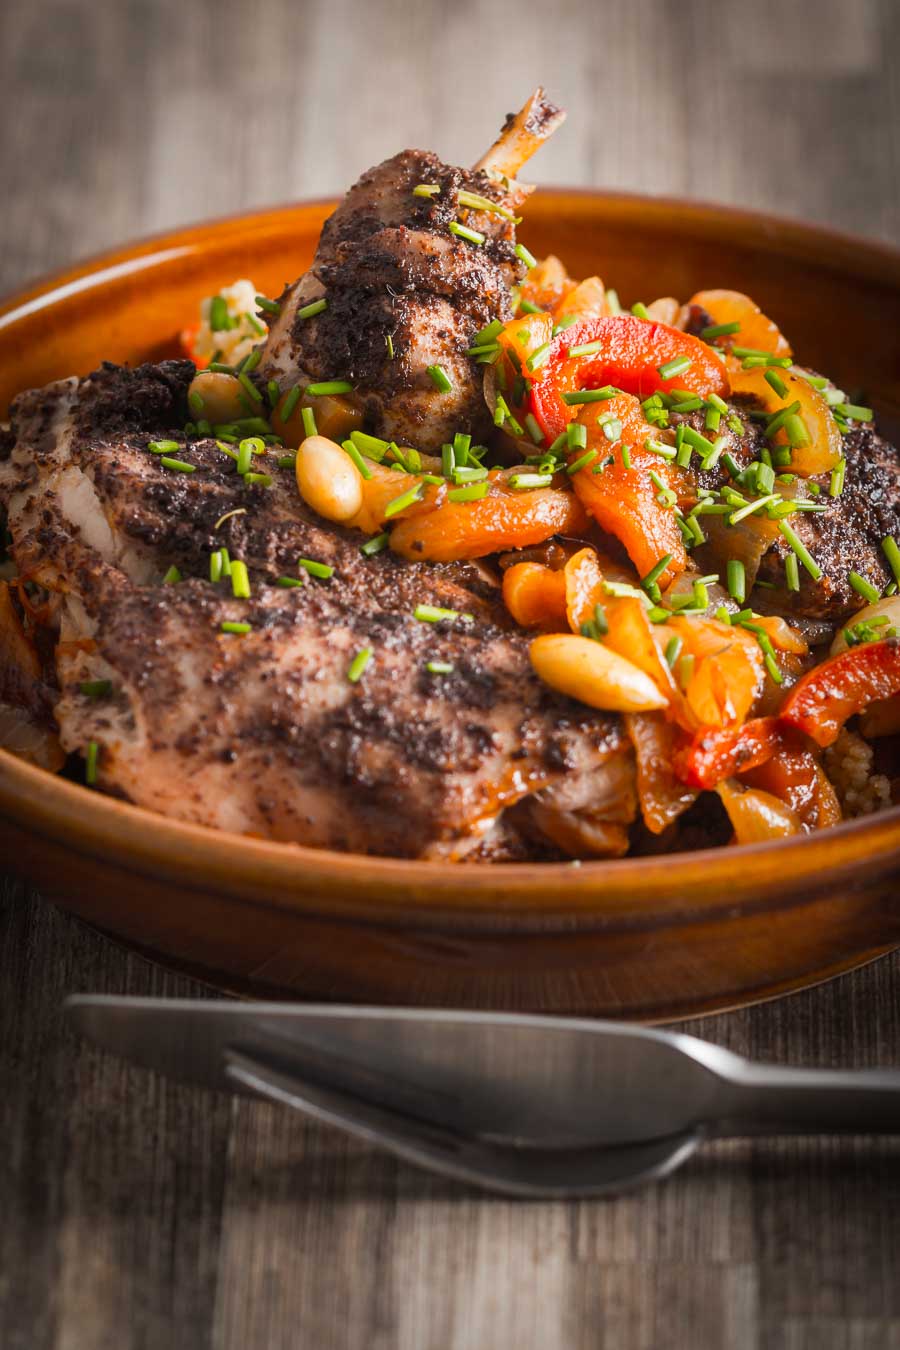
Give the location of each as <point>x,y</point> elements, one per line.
<point>714,755</point>
<point>593,674</point>
<point>634,355</point>
<point>823,700</point>
<point>795,777</point>
<point>757,817</point>
<point>663,797</point>
<point>737,321</point>
<point>535,595</point>
<point>815,445</point>
<point>328,479</point>
<point>219,396</point>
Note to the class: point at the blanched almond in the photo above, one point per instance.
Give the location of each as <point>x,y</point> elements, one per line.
<point>586,670</point>
<point>328,479</point>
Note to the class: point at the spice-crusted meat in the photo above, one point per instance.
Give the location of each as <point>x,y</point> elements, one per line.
<point>396,279</point>
<point>265,733</point>
<point>846,537</point>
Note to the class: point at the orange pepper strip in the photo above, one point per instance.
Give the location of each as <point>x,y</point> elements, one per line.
<point>714,755</point>
<point>795,778</point>
<point>623,501</point>
<point>629,354</point>
<point>501,520</point>
<point>757,329</point>
<point>535,595</point>
<point>823,700</point>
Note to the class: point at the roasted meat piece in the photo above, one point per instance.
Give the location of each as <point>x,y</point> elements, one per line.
<point>405,293</point>
<point>264,732</point>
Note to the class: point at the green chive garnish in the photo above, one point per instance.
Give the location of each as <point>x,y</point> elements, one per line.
<point>587,458</point>
<point>350,449</point>
<point>439,667</point>
<point>673,649</point>
<point>163,447</point>
<point>863,587</point>
<point>290,403</point>
<point>230,626</point>
<point>590,395</point>
<point>792,572</point>
<point>891,551</point>
<point>240,581</point>
<point>408,498</point>
<point>715,330</point>
<point>259,479</point>
<point>527,257</point>
<point>433,614</point>
<point>90,762</point>
<point>358,664</point>
<point>426,189</point>
<point>463,232</point>
<point>801,550</point>
<point>290,583</point>
<point>677,366</point>
<point>640,310</point>
<point>472,492</point>
<point>440,379</point>
<point>854,412</point>
<point>312,309</point>
<point>376,544</point>
<point>736,578</point>
<point>269,306</point>
<point>527,482</point>
<point>326,387</point>
<point>172,576</point>
<point>585,349</point>
<point>656,571</point>
<point>772,378</point>
<point>178,465</point>
<point>315,569</point>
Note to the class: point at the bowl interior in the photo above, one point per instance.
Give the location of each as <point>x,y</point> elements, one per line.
<point>837,299</point>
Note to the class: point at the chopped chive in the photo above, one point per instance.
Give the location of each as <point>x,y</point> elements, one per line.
<point>326,387</point>
<point>408,498</point>
<point>473,202</point>
<point>287,461</point>
<point>96,688</point>
<point>172,576</point>
<point>312,309</point>
<point>772,378</point>
<point>656,571</point>
<point>686,670</point>
<point>751,508</point>
<point>527,482</point>
<point>373,447</point>
<point>426,190</point>
<point>640,310</point>
<point>290,402</point>
<point>863,587</point>
<point>351,451</point>
<point>215,565</point>
<point>448,462</point>
<point>765,478</point>
<point>269,306</point>
<point>246,450</point>
<point>891,551</point>
<point>715,330</point>
<point>258,479</point>
<point>273,393</point>
<point>626,457</point>
<point>792,572</point>
<point>539,356</point>
<point>315,569</point>
<point>440,379</point>
<point>463,232</point>
<point>673,649</point>
<point>230,626</point>
<point>240,581</point>
<point>526,256</point>
<point>660,448</point>
<point>249,387</point>
<point>475,474</point>
<point>679,365</point>
<point>439,667</point>
<point>585,349</point>
<point>258,328</point>
<point>772,667</point>
<point>712,419</point>
<point>736,578</point>
<point>376,544</point>
<point>178,465</point>
<point>777,420</point>
<point>90,762</point>
<point>612,302</point>
<point>433,614</point>
<point>854,412</point>
<point>290,583</point>
<point>472,492</point>
<point>389,343</point>
<point>526,307</point>
<point>358,664</point>
<point>163,447</point>
<point>836,486</point>
<point>801,550</point>
<point>218,314</point>
<point>195,402</point>
<point>575,436</point>
<point>487,334</point>
<point>796,430</point>
<point>533,428</point>
<point>587,458</point>
<point>590,395</point>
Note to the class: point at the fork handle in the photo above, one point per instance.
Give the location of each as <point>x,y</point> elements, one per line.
<point>765,1098</point>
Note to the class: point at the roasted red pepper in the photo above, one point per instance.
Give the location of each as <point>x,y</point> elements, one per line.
<point>823,700</point>
<point>715,755</point>
<point>629,355</point>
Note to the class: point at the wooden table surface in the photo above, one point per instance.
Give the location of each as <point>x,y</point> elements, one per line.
<point>139,1214</point>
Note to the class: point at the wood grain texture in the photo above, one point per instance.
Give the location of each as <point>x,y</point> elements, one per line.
<point>139,1214</point>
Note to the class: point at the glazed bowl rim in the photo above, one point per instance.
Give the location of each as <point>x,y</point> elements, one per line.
<point>312,879</point>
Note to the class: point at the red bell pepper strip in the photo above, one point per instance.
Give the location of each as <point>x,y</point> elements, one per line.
<point>714,755</point>
<point>823,700</point>
<point>629,355</point>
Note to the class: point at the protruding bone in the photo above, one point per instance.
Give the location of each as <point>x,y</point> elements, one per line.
<point>523,133</point>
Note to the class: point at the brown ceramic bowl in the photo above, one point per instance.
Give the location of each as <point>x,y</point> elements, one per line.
<point>643,938</point>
